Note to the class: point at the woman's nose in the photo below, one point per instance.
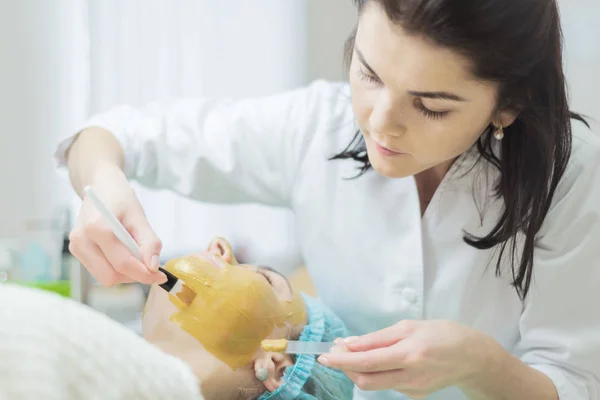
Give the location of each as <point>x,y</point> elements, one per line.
<point>385,117</point>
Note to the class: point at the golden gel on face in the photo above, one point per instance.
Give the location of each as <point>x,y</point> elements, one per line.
<point>234,308</point>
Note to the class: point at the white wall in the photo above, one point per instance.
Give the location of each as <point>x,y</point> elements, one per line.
<point>329,23</point>
<point>36,43</point>
<point>582,55</point>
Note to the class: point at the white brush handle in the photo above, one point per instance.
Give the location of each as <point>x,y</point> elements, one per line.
<point>115,225</point>
<point>297,347</point>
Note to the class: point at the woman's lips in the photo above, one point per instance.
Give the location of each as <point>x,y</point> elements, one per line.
<point>384,151</point>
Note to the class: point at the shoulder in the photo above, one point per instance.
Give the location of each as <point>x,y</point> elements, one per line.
<point>318,96</point>
<point>584,163</point>
<point>302,113</point>
<point>323,118</point>
<point>586,143</point>
<point>575,202</point>
<point>327,108</point>
<point>329,91</point>
<point>42,317</point>
<point>326,101</point>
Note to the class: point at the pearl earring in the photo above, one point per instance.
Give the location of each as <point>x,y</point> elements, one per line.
<point>499,133</point>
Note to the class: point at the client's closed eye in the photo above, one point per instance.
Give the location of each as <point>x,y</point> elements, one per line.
<point>267,277</point>
<point>275,279</point>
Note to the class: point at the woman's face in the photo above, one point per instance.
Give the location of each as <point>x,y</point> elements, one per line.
<point>219,333</point>
<point>418,105</point>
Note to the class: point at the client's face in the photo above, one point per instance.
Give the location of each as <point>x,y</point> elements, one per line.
<point>235,307</point>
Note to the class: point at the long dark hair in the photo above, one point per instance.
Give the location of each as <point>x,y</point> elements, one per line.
<point>518,44</point>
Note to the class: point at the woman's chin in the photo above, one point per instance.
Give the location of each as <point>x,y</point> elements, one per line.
<point>391,167</point>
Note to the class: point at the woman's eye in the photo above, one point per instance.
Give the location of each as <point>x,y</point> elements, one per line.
<point>367,77</point>
<point>435,115</point>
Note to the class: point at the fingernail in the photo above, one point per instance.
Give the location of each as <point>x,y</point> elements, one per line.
<point>338,341</point>
<point>154,263</point>
<point>340,348</point>
<point>351,339</point>
<point>323,361</point>
<point>164,278</point>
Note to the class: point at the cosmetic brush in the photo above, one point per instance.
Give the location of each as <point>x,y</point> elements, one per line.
<point>173,285</point>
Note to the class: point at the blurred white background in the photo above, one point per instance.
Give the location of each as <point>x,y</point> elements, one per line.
<point>63,60</point>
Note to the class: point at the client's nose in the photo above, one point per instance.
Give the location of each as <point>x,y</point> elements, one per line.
<point>221,248</point>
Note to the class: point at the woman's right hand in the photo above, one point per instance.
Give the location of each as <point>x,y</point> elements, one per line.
<point>94,244</point>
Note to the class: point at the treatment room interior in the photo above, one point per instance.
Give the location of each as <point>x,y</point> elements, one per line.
<point>64,60</point>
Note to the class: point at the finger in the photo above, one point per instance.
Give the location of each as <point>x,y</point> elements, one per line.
<point>120,258</point>
<point>92,258</point>
<point>383,359</point>
<point>410,382</point>
<point>397,380</point>
<point>127,265</point>
<point>150,244</point>
<point>383,338</point>
<point>386,380</point>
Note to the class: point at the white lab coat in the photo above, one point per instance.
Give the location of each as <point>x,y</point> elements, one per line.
<point>373,259</point>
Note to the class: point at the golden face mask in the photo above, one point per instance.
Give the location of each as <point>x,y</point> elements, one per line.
<point>234,308</point>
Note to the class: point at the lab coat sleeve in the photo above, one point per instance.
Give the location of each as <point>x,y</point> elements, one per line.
<point>223,151</point>
<point>560,325</point>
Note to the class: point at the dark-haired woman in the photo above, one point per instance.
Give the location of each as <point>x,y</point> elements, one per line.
<point>447,199</point>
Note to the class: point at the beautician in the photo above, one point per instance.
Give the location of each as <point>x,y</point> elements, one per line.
<point>447,200</point>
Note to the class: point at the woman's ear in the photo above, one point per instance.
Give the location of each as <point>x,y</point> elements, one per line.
<point>269,368</point>
<point>221,247</point>
<point>506,118</point>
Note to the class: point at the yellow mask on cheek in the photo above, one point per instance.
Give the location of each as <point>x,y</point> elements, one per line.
<point>233,311</point>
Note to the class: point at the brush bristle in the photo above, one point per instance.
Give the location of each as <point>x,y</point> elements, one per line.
<point>186,295</point>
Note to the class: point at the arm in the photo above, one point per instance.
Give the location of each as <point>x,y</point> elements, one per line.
<point>211,150</point>
<point>91,151</point>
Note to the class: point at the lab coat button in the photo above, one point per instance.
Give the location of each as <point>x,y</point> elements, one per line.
<point>409,295</point>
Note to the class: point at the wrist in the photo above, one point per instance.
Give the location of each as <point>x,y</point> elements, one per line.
<point>94,156</point>
<point>490,360</point>
<point>98,174</point>
<point>104,171</point>
<point>501,375</point>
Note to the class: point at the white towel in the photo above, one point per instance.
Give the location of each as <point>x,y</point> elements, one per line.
<point>53,348</point>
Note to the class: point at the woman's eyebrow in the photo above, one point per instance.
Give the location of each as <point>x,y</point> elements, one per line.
<point>437,95</point>
<point>362,60</point>
<point>441,95</point>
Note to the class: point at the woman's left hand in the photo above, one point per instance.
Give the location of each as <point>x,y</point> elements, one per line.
<point>416,358</point>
